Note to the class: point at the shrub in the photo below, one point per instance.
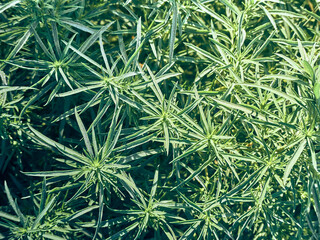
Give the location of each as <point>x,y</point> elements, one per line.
<point>159,119</point>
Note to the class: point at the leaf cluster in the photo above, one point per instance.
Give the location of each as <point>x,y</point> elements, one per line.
<point>161,119</point>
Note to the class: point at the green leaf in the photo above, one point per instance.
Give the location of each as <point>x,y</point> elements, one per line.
<point>307,67</point>
<point>53,237</point>
<point>90,41</point>
<point>9,216</point>
<point>84,133</point>
<point>66,151</point>
<point>78,25</point>
<point>43,213</point>
<point>55,173</point>
<point>22,41</point>
<point>123,232</point>
<point>8,5</point>
<point>276,91</point>
<point>154,186</point>
<point>293,160</point>
<point>43,195</point>
<point>173,32</point>
<point>14,204</point>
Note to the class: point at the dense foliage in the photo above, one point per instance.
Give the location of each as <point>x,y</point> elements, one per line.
<point>170,119</point>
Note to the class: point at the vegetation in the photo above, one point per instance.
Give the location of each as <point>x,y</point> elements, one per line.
<point>170,119</point>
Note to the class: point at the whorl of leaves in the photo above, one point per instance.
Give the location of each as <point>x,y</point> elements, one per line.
<point>170,119</point>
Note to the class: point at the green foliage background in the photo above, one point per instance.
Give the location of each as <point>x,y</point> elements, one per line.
<point>159,119</point>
